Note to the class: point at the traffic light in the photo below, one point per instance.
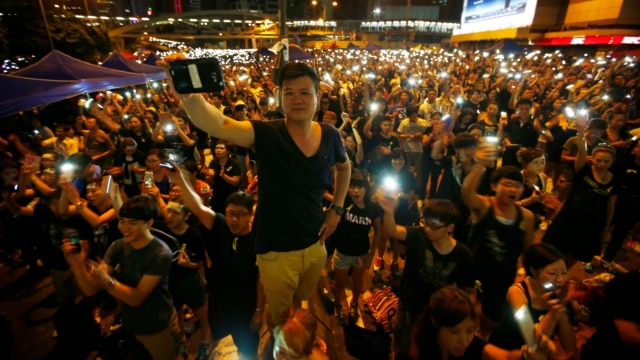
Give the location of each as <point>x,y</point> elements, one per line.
<point>150,11</point>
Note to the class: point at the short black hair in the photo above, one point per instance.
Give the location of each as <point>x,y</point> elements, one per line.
<point>441,209</point>
<point>464,140</point>
<point>139,207</point>
<point>537,256</point>
<point>524,102</point>
<point>597,124</point>
<point>294,70</point>
<point>507,172</point>
<point>241,198</point>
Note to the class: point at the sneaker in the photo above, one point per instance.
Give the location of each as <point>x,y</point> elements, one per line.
<point>204,351</point>
<point>183,350</point>
<point>353,311</point>
<point>188,315</point>
<point>395,269</point>
<point>378,264</point>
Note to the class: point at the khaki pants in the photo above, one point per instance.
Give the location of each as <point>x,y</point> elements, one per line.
<point>290,277</point>
<point>164,345</point>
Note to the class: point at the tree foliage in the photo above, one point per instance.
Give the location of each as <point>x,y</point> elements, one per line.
<point>27,36</point>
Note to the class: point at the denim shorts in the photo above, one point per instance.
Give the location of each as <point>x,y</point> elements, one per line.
<point>342,261</point>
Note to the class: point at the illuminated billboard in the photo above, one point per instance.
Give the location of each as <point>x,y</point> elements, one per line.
<point>489,15</point>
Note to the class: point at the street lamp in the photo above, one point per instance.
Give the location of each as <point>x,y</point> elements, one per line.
<point>314,3</point>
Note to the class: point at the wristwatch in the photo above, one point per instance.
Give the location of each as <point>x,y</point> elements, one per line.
<point>80,205</point>
<point>338,209</point>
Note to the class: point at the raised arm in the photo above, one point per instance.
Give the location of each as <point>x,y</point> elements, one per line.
<point>191,199</point>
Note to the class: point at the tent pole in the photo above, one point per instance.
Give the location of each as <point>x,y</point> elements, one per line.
<point>46,25</point>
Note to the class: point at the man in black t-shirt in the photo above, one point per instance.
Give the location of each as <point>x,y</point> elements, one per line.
<point>236,296</point>
<point>522,131</point>
<point>434,259</point>
<point>296,158</point>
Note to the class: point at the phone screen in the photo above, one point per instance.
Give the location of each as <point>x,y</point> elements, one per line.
<point>196,75</point>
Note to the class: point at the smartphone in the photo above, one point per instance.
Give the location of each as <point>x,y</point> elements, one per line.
<point>526,326</point>
<point>148,179</point>
<point>74,236</point>
<point>197,75</point>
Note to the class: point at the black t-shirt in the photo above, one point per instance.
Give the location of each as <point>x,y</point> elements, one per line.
<point>222,189</point>
<point>143,141</point>
<point>104,234</point>
<point>50,241</point>
<point>628,172</point>
<point>233,274</point>
<point>181,151</point>
<point>138,159</point>
<point>290,214</point>
<point>378,161</point>
<point>195,249</point>
<point>521,134</point>
<point>426,270</point>
<point>352,234</point>
<point>129,266</point>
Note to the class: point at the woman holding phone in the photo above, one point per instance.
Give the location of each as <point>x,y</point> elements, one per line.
<point>447,330</point>
<point>591,202</point>
<point>544,292</point>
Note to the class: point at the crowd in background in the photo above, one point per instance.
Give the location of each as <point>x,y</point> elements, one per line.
<point>481,147</point>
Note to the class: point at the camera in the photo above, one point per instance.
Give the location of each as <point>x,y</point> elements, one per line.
<point>197,75</point>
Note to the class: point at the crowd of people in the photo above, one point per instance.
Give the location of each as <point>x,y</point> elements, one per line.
<point>454,159</point>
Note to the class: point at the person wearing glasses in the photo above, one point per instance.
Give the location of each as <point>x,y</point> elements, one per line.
<point>580,226</point>
<point>434,259</point>
<point>501,230</point>
<point>236,297</point>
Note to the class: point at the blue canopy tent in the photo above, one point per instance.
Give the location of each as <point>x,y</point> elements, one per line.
<point>24,93</point>
<point>296,53</point>
<point>371,46</point>
<point>118,62</point>
<point>352,46</point>
<point>59,66</point>
<point>151,60</point>
<point>265,52</point>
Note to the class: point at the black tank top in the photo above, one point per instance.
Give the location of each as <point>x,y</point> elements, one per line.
<point>536,314</point>
<point>496,247</point>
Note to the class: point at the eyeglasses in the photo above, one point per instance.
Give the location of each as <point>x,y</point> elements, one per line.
<point>511,185</point>
<point>604,147</point>
<point>431,225</point>
<point>236,215</point>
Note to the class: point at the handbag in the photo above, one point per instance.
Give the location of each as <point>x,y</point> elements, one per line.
<point>383,306</point>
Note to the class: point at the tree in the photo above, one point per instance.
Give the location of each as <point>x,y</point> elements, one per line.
<point>28,36</point>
